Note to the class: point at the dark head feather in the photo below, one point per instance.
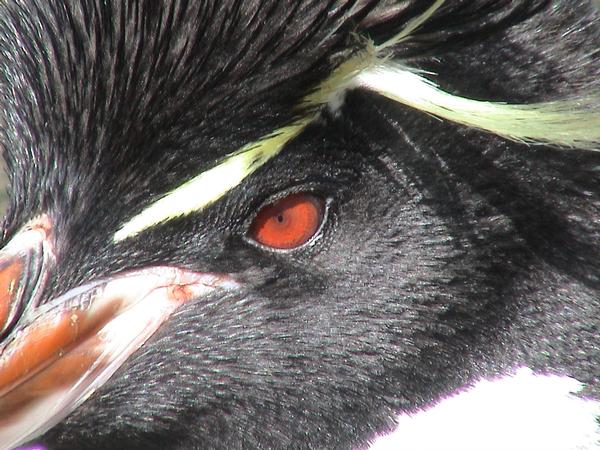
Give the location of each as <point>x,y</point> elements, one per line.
<point>449,253</point>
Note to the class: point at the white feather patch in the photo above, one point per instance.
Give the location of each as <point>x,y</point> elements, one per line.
<point>524,411</point>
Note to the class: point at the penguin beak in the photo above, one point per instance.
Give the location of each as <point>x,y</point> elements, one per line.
<point>55,353</point>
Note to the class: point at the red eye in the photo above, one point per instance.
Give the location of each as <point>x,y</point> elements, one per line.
<point>289,222</point>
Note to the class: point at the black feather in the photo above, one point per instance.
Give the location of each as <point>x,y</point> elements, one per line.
<point>448,254</point>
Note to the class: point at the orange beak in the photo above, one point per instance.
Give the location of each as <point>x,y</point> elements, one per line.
<point>54,354</point>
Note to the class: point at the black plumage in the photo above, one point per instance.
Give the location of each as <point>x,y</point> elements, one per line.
<point>447,254</point>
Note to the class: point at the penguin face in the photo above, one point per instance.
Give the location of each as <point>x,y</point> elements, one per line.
<point>227,231</point>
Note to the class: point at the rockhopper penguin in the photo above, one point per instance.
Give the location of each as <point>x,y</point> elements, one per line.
<point>312,224</point>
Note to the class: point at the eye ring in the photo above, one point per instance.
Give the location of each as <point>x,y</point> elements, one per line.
<point>288,223</point>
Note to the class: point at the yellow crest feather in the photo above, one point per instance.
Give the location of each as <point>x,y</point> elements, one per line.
<point>566,122</point>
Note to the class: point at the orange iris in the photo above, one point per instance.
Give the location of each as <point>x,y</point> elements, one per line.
<point>289,222</point>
